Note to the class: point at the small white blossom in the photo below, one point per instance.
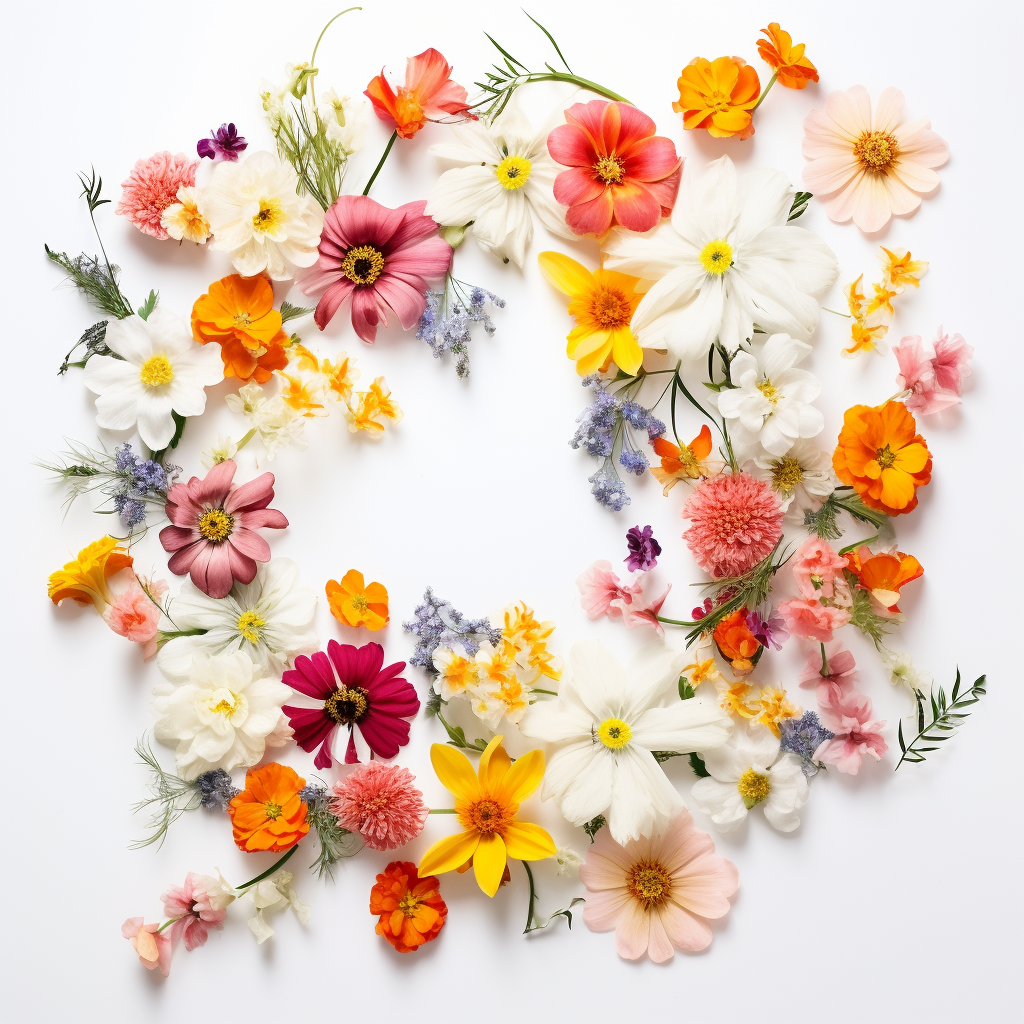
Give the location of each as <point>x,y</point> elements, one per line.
<point>224,449</point>
<point>902,671</point>
<point>275,893</point>
<point>568,861</point>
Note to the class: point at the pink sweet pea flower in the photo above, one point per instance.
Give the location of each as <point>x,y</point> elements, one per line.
<point>811,619</point>
<point>917,375</point>
<point>196,907</point>
<point>856,733</point>
<point>952,362</point>
<point>152,945</point>
<point>599,589</point>
<point>639,606</point>
<point>136,616</point>
<point>816,567</point>
<point>841,678</point>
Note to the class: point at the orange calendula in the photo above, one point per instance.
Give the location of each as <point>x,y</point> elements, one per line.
<point>85,579</point>
<point>410,910</point>
<point>791,67</point>
<point>736,642</point>
<point>718,95</point>
<point>885,574</point>
<point>686,463</point>
<point>269,814</point>
<point>356,604</point>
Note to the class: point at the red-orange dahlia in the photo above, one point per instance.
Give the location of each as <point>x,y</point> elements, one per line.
<point>410,909</point>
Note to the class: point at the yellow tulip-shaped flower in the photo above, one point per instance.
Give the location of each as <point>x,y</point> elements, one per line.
<point>486,803</point>
<point>603,303</point>
<point>85,579</point>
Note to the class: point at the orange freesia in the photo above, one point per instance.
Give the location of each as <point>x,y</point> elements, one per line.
<point>269,814</point>
<point>881,455</point>
<point>409,908</point>
<point>883,575</point>
<point>899,269</point>
<point>736,642</point>
<point>736,698</point>
<point>238,313</point>
<point>85,579</point>
<point>428,94</point>
<point>685,463</point>
<point>303,358</point>
<point>367,410</point>
<point>871,320</point>
<point>718,95</point>
<point>341,376</point>
<point>775,708</point>
<point>302,395</point>
<point>356,604</point>
<point>791,67</point>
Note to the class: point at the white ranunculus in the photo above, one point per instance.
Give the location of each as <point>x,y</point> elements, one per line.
<point>801,479</point>
<point>728,259</point>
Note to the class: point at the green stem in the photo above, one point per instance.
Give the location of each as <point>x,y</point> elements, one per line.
<point>244,440</point>
<point>559,76</point>
<point>837,313</point>
<point>167,924</point>
<point>824,662</point>
<point>675,622</point>
<point>270,870</point>
<point>380,164</point>
<point>550,693</point>
<point>319,38</point>
<point>174,634</point>
<point>767,89</point>
<point>442,810</point>
<point>533,898</point>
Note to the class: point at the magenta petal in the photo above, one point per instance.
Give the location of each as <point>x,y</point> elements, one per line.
<point>258,493</point>
<point>175,537</point>
<point>312,676</point>
<point>384,735</point>
<point>356,666</point>
<point>310,725</point>
<point>351,757</point>
<point>323,757</point>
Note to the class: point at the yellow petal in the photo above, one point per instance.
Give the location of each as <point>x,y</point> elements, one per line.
<point>523,777</point>
<point>489,863</point>
<point>494,764</point>
<point>448,854</point>
<point>568,276</point>
<point>525,841</point>
<point>455,772</point>
<point>628,355</point>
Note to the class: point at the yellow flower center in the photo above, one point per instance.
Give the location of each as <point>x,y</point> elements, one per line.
<point>272,811</point>
<point>513,172</point>
<point>487,817</point>
<point>610,170</point>
<point>885,457</point>
<point>242,319</point>
<point>754,787</point>
<point>249,626</point>
<point>363,264</point>
<point>649,884</point>
<point>156,370</point>
<point>225,706</point>
<point>215,524</point>
<point>614,733</point>
<point>359,602</point>
<point>610,308</point>
<point>409,905</point>
<point>876,151</point>
<point>716,256</point>
<point>786,474</point>
<point>347,704</point>
<point>270,216</point>
<point>768,390</point>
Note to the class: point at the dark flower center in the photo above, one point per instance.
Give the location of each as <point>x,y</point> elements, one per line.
<point>215,524</point>
<point>363,264</point>
<point>347,704</point>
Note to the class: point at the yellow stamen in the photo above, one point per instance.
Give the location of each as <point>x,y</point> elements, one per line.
<point>716,257</point>
<point>610,170</point>
<point>610,308</point>
<point>487,817</point>
<point>156,370</point>
<point>754,787</point>
<point>347,704</point>
<point>363,264</point>
<point>270,216</point>
<point>215,524</point>
<point>649,884</point>
<point>786,474</point>
<point>272,811</point>
<point>885,457</point>
<point>768,390</point>
<point>250,624</point>
<point>614,733</point>
<point>876,151</point>
<point>513,172</point>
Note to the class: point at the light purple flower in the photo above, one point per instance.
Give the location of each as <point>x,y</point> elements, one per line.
<point>768,631</point>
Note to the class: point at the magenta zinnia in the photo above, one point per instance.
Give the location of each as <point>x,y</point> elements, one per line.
<point>380,802</point>
<point>152,187</point>
<point>364,705</point>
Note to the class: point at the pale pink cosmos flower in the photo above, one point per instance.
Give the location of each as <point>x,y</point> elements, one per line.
<point>136,615</point>
<point>380,802</point>
<point>840,679</point>
<point>952,362</point>
<point>152,187</point>
<point>857,734</point>
<point>196,906</point>
<point>816,567</point>
<point>154,947</point>
<point>813,620</point>
<point>640,607</point>
<point>599,587</point>
<point>657,893</point>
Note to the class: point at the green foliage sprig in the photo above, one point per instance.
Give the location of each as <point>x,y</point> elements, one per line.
<point>799,207</point>
<point>823,523</point>
<point>947,717</point>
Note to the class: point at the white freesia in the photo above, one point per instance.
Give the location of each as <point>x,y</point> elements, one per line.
<point>346,119</point>
<point>270,620</point>
<point>276,422</point>
<point>801,479</point>
<point>568,861</point>
<point>746,772</point>
<point>604,724</point>
<point>274,893</point>
<point>161,371</point>
<point>727,259</point>
<point>903,672</point>
<point>224,449</point>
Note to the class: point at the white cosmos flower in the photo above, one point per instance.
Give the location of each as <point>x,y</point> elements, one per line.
<point>506,180</point>
<point>223,717</point>
<point>801,479</point>
<point>746,772</point>
<point>771,400</point>
<point>270,620</point>
<point>605,722</point>
<point>727,259</point>
<point>161,371</point>
<point>257,218</point>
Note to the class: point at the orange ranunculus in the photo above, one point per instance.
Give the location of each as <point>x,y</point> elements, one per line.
<point>269,814</point>
<point>356,604</point>
<point>685,463</point>
<point>238,313</point>
<point>736,642</point>
<point>718,95</point>
<point>791,67</point>
<point>883,575</point>
<point>85,579</point>
<point>411,911</point>
<point>881,455</point>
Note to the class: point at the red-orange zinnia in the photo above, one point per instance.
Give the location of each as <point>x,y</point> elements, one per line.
<point>269,814</point>
<point>884,574</point>
<point>718,95</point>
<point>409,908</point>
<point>791,67</point>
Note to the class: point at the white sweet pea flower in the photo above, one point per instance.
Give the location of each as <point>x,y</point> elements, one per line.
<point>346,119</point>
<point>274,893</point>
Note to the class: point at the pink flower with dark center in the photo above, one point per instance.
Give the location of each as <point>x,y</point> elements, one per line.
<point>213,528</point>
<point>154,947</point>
<point>364,705</point>
<point>196,907</point>
<point>856,733</point>
<point>840,679</point>
<point>380,258</point>
<point>152,187</point>
<point>952,362</point>
<point>380,802</point>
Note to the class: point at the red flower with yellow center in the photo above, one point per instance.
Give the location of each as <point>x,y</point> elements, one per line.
<point>409,908</point>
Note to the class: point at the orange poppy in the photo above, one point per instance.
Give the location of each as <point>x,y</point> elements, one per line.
<point>881,455</point>
<point>238,313</point>
<point>409,908</point>
<point>718,95</point>
<point>682,463</point>
<point>85,579</point>
<point>269,814</point>
<point>356,604</point>
<point>736,642</point>
<point>884,574</point>
<point>791,67</point>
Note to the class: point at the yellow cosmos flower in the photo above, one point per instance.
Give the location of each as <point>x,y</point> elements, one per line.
<point>85,579</point>
<point>603,303</point>
<point>353,602</point>
<point>486,803</point>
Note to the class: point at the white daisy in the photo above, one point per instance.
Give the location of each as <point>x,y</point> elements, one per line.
<point>801,479</point>
<point>746,772</point>
<point>161,370</point>
<point>727,259</point>
<point>605,722</point>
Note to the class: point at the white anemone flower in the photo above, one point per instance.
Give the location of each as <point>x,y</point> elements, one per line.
<point>270,620</point>
<point>506,180</point>
<point>726,260</point>
<point>257,218</point>
<point>746,772</point>
<point>770,401</point>
<point>801,479</point>
<point>161,371</point>
<point>605,723</point>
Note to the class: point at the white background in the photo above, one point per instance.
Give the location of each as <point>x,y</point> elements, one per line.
<point>897,899</point>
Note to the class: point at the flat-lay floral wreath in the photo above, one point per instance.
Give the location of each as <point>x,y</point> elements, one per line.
<point>700,301</point>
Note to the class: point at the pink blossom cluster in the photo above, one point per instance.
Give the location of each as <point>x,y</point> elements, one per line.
<point>601,593</point>
<point>934,377</point>
<point>824,602</point>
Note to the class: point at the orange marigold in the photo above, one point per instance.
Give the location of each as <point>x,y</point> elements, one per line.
<point>885,574</point>
<point>356,604</point>
<point>881,455</point>
<point>269,814</point>
<point>718,95</point>
<point>736,642</point>
<point>411,911</point>
<point>791,67</point>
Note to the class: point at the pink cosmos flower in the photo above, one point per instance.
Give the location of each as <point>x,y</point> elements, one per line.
<point>380,802</point>
<point>856,733</point>
<point>815,568</point>
<point>917,375</point>
<point>152,187</point>
<point>639,607</point>
<point>659,893</point>
<point>952,362</point>
<point>380,258</point>
<point>136,616</point>
<point>154,947</point>
<point>196,907</point>
<point>213,528</point>
<point>813,620</point>
<point>599,590</point>
<point>841,678</point>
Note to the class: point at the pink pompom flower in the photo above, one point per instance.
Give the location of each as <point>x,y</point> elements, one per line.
<point>196,906</point>
<point>839,680</point>
<point>857,734</point>
<point>816,567</point>
<point>154,947</point>
<point>152,187</point>
<point>380,802</point>
<point>136,615</point>
<point>813,620</point>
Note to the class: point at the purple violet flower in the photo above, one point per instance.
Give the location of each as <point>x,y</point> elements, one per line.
<point>643,549</point>
<point>224,144</point>
<point>768,631</point>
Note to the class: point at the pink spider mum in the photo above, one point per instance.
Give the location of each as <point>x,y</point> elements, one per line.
<point>152,187</point>
<point>196,907</point>
<point>735,521</point>
<point>380,802</point>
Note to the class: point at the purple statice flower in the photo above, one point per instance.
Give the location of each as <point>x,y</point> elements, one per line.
<point>599,422</point>
<point>768,631</point>
<point>633,460</point>
<point>643,549</point>
<point>224,144</point>
<point>802,736</point>
<point>449,314</point>
<point>608,488</point>
<point>136,481</point>
<point>215,789</point>
<point>439,624</point>
<point>701,611</point>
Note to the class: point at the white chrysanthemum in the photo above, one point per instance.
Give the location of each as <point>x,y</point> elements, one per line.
<point>801,479</point>
<point>346,118</point>
<point>728,259</point>
<point>605,722</point>
<point>506,180</point>
<point>746,772</point>
<point>269,619</point>
<point>223,717</point>
<point>161,371</point>
<point>257,218</point>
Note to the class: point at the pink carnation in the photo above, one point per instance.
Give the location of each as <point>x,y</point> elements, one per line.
<point>196,907</point>
<point>856,734</point>
<point>735,523</point>
<point>815,568</point>
<point>135,616</point>
<point>154,947</point>
<point>917,375</point>
<point>152,187</point>
<point>380,802</point>
<point>952,362</point>
<point>841,678</point>
<point>812,620</point>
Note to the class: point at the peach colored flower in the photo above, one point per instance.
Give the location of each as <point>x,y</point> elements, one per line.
<point>152,945</point>
<point>136,615</point>
<point>816,567</point>
<point>813,620</point>
<point>152,187</point>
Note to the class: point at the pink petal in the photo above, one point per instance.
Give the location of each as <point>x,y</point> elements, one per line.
<point>262,519</point>
<point>250,545</point>
<point>366,314</point>
<point>684,930</point>
<point>577,185</point>
<point>337,290</point>
<point>181,561</point>
<point>916,176</point>
<point>592,218</point>
<point>635,208</point>
<point>214,487</point>
<point>258,493</point>
<point>850,111</point>
<point>830,173</point>
<point>632,931</point>
<point>405,299</point>
<point>173,538</point>
<point>429,257</point>
<point>603,909</point>
<point>211,571</point>
<point>240,565</point>
<point>570,147</point>
<point>652,159</point>
<point>901,199</point>
<point>659,945</point>
<point>888,110</point>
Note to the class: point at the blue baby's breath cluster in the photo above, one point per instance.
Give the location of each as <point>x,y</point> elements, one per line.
<point>138,481</point>
<point>450,313</point>
<point>802,736</point>
<point>439,624</point>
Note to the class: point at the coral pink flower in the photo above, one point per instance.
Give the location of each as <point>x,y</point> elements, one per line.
<point>639,607</point>
<point>380,802</point>
<point>869,169</point>
<point>620,172</point>
<point>735,522</point>
<point>917,375</point>
<point>952,362</point>
<point>213,528</point>
<point>815,568</point>
<point>856,734</point>
<point>659,893</point>
<point>152,187</point>
<point>153,946</point>
<point>841,678</point>
<point>197,906</point>
<point>381,258</point>
<point>135,615</point>
<point>356,691</point>
<point>812,620</point>
<point>600,589</point>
